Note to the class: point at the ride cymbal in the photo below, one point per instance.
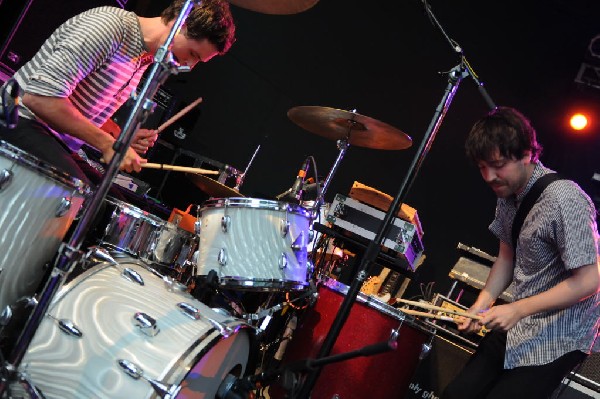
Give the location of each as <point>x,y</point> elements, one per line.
<point>278,7</point>
<point>212,187</point>
<point>360,130</point>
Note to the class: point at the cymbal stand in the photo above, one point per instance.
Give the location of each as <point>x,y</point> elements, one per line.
<point>455,76</point>
<point>69,254</point>
<point>239,179</point>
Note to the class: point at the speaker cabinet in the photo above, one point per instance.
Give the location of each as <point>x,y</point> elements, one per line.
<point>438,368</point>
<point>26,24</point>
<point>584,382</point>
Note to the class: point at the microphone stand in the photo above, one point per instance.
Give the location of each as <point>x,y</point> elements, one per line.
<point>69,254</point>
<point>455,76</point>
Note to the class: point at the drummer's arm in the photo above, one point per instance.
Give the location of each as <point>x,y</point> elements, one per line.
<point>60,114</point>
<point>142,141</point>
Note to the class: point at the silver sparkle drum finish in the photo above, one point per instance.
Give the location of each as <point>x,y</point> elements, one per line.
<point>117,330</point>
<point>37,205</point>
<point>129,229</point>
<point>254,244</point>
<point>141,234</point>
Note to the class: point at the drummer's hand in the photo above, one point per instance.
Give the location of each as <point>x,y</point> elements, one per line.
<point>501,317</point>
<point>143,140</point>
<point>131,162</point>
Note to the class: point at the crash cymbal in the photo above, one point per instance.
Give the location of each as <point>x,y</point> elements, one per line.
<point>336,124</point>
<point>212,187</point>
<point>279,7</point>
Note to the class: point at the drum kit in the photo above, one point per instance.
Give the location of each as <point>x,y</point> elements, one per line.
<point>127,324</point>
<point>127,314</point>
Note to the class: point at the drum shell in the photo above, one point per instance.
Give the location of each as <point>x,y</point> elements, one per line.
<point>101,303</point>
<point>146,236</point>
<point>254,244</point>
<point>31,229</point>
<point>129,228</point>
<point>385,375</point>
<point>171,247</point>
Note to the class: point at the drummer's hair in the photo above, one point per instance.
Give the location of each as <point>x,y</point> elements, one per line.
<point>506,129</point>
<point>211,20</point>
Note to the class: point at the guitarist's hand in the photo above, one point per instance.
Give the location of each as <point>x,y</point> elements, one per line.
<point>469,325</point>
<point>501,317</point>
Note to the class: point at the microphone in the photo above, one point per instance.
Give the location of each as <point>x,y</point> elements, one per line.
<point>298,187</point>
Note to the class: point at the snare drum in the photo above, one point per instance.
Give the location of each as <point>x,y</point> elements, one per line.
<point>141,234</point>
<point>115,328</point>
<point>129,229</point>
<point>38,204</point>
<point>254,244</point>
<point>370,321</point>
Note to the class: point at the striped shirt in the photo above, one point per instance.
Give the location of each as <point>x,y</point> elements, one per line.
<point>558,235</point>
<point>95,59</point>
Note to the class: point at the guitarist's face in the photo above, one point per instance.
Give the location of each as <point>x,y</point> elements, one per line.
<point>506,176</point>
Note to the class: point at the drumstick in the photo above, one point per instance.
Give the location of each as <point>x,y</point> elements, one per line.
<point>178,115</point>
<point>427,315</point>
<point>175,168</point>
<point>439,308</point>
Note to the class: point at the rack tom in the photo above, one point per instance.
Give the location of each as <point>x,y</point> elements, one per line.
<point>254,244</point>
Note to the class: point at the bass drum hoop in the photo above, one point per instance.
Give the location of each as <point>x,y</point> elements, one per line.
<point>27,160</point>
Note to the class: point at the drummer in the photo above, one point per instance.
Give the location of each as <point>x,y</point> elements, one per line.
<point>88,68</point>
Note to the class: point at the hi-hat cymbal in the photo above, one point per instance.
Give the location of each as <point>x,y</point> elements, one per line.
<point>212,187</point>
<point>279,7</point>
<point>361,131</point>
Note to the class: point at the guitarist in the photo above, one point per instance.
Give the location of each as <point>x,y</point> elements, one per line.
<point>552,325</point>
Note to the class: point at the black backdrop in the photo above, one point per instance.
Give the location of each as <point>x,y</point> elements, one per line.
<point>384,58</point>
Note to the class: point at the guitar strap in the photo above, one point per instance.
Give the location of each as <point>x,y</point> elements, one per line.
<point>528,201</point>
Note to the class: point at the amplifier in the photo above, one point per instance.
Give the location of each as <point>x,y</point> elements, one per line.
<point>365,221</point>
<point>475,275</point>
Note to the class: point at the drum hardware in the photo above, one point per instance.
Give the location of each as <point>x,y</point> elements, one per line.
<point>162,390</point>
<point>239,177</point>
<point>310,294</point>
<point>69,255</point>
<point>98,254</point>
<point>207,288</point>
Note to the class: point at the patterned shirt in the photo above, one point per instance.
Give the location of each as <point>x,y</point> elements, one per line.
<point>95,59</point>
<point>558,235</point>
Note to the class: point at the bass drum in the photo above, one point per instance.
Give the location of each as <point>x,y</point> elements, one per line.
<point>385,375</point>
<point>114,329</point>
